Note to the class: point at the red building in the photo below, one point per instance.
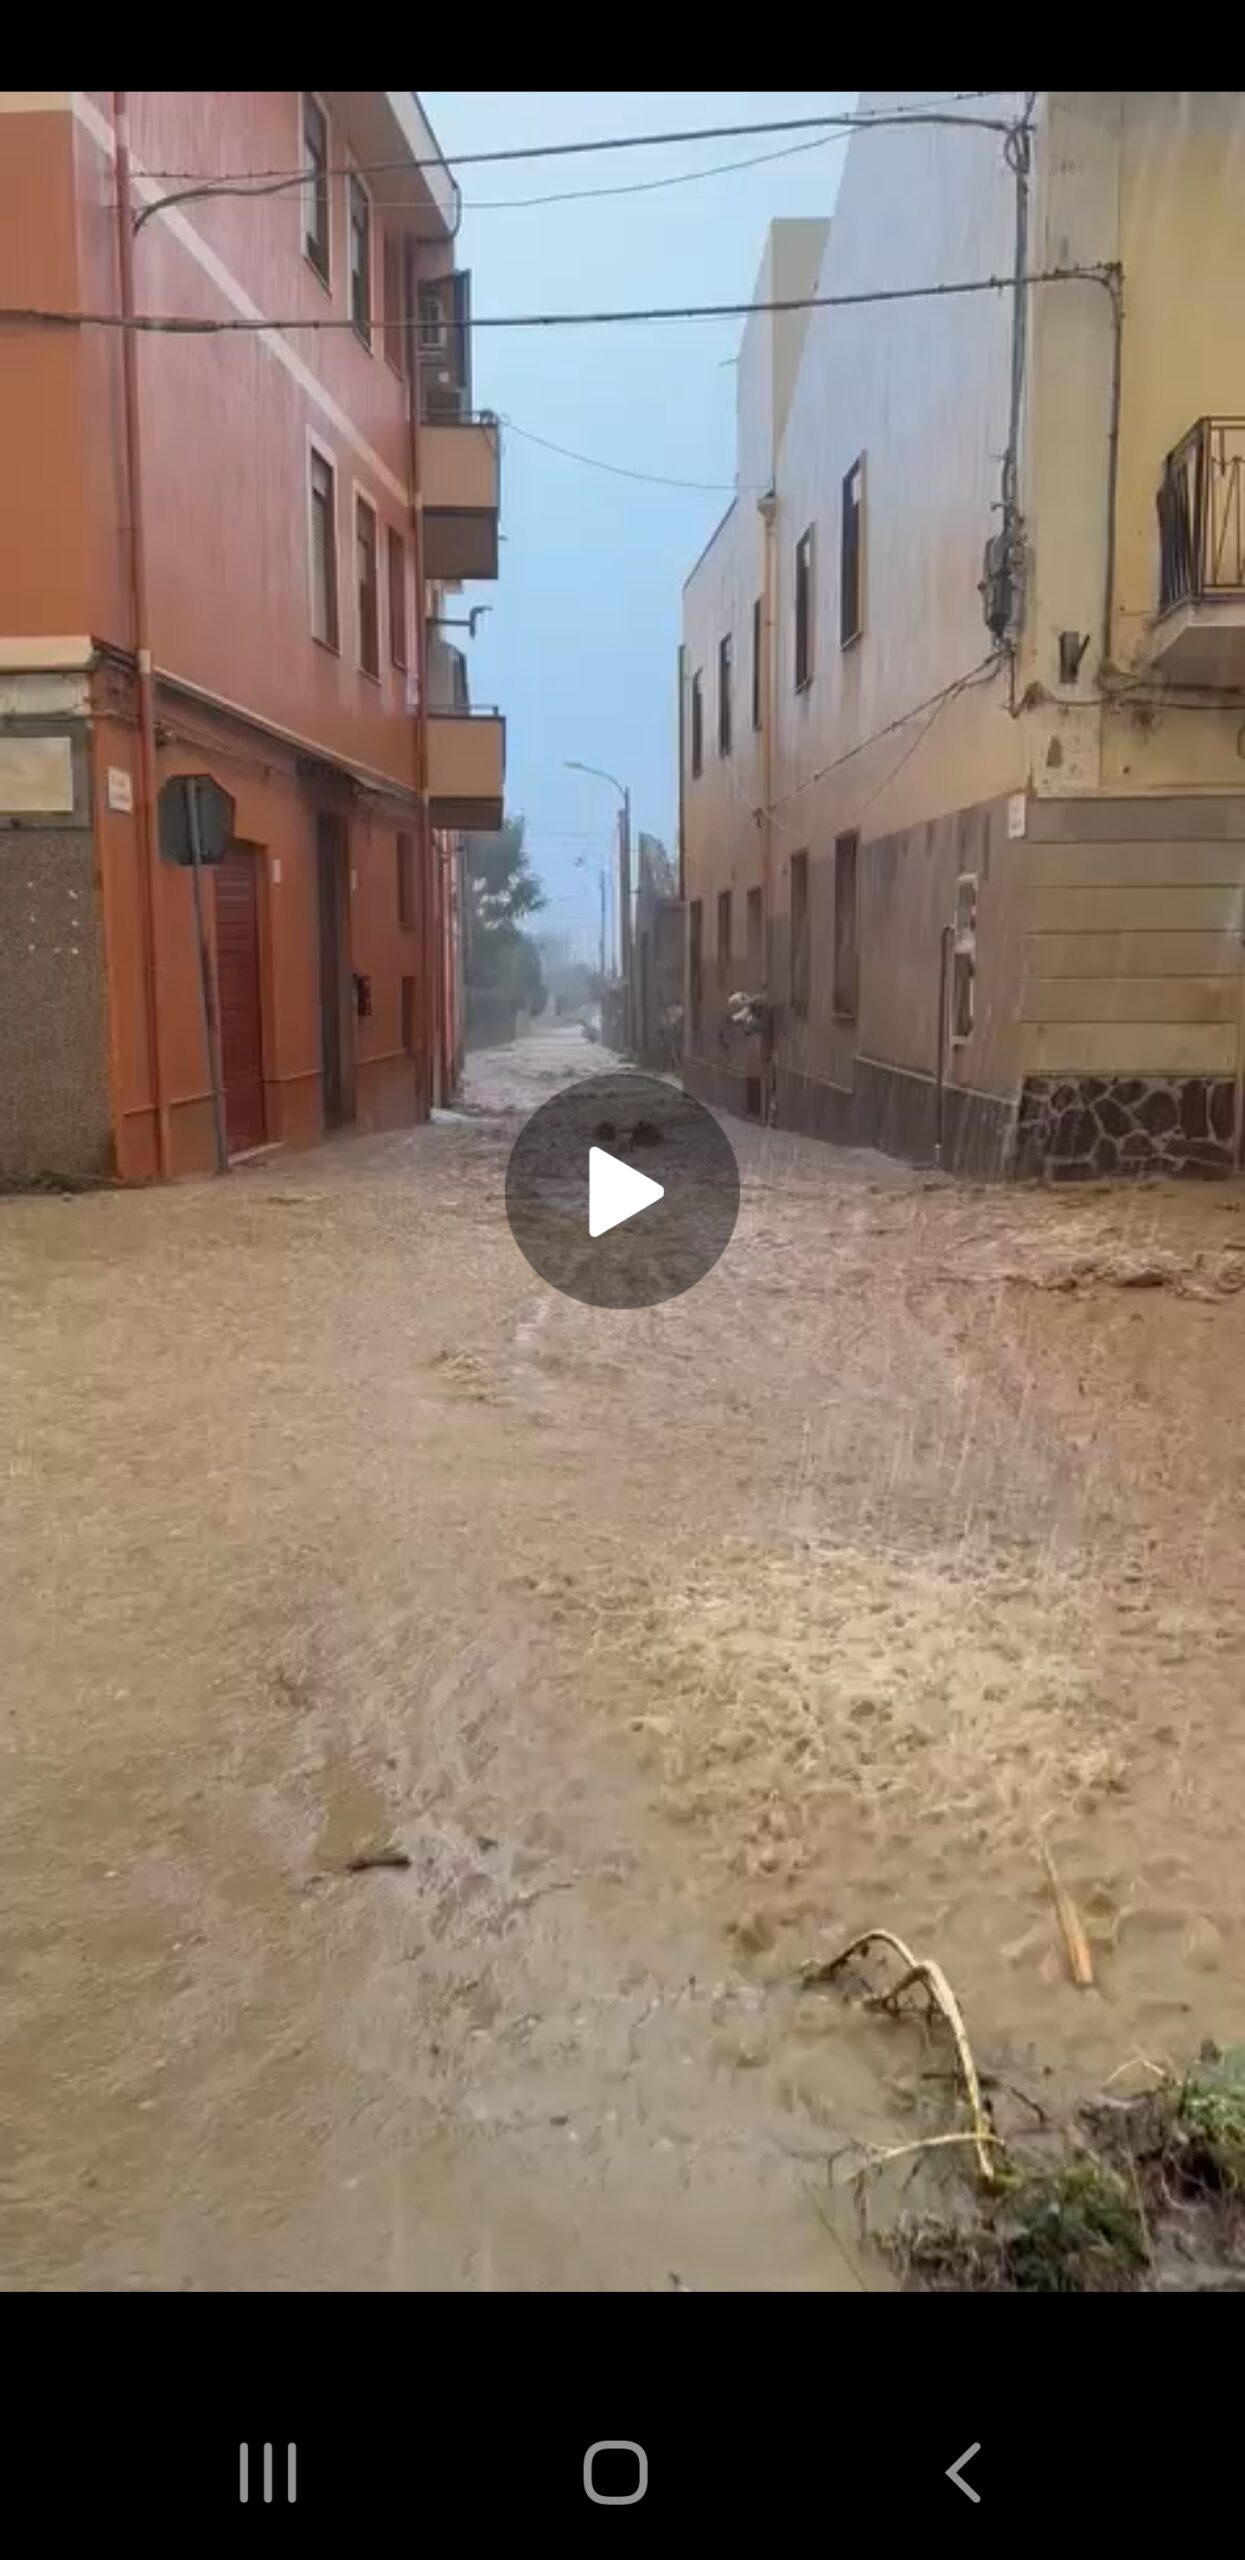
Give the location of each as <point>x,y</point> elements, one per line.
<point>230,550</point>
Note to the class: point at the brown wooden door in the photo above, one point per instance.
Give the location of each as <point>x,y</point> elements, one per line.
<point>238,988</point>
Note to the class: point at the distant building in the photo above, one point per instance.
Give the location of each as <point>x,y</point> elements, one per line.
<point>964,663</point>
<point>233,554</point>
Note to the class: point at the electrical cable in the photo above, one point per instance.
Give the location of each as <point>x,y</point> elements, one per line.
<point>688,177</point>
<point>933,702</point>
<point>620,470</point>
<point>638,187</point>
<point>1104,274</point>
<point>845,120</point>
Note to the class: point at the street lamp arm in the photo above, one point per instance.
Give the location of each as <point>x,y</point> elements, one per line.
<point>573,765</point>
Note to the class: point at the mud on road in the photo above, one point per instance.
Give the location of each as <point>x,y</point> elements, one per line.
<point>666,1647</point>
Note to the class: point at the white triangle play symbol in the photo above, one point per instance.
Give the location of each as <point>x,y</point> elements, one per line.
<point>616,1191</point>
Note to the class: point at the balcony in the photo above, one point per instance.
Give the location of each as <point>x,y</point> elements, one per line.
<point>461,474</point>
<point>1199,638</point>
<point>466,768</point>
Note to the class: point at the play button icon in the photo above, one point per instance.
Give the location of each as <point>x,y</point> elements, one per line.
<point>622,1191</point>
<point>616,1191</point>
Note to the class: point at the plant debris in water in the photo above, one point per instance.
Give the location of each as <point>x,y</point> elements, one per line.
<point>1150,2193</point>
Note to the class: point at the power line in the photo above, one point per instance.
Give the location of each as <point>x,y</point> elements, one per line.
<point>689,177</point>
<point>590,195</point>
<point>1106,274</point>
<point>933,703</point>
<point>641,186</point>
<point>620,470</point>
<point>845,121</point>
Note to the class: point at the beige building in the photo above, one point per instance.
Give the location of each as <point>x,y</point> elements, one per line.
<point>963,666</point>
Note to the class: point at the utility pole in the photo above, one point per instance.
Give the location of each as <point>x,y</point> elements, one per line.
<point>604,901</point>
<point>624,908</point>
<point>573,765</point>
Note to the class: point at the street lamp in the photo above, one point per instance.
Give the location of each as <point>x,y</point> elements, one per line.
<point>599,774</point>
<point>582,863</point>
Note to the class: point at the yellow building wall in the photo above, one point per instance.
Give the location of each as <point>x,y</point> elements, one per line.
<point>1153,180</point>
<point>1107,946</point>
<point>722,805</point>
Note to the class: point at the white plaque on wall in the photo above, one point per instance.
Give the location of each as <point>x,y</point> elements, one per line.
<point>120,788</point>
<point>36,777</point>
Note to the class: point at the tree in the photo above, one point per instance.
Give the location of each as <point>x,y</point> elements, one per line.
<point>503,885</point>
<point>503,963</point>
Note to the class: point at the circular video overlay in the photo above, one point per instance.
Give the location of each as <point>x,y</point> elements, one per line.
<point>622,1191</point>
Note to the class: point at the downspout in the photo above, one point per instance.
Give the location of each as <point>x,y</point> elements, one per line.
<point>1114,285</point>
<point>427,861</point>
<point>447,972</point>
<point>148,831</point>
<point>1017,152</point>
<point>682,739</point>
<point>945,940</point>
<point>767,509</point>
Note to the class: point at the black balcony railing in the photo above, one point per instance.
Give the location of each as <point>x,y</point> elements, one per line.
<point>1201,515</point>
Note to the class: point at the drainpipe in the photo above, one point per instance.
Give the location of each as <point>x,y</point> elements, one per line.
<point>148,829</point>
<point>429,900</point>
<point>624,902</point>
<point>682,740</point>
<point>767,509</point>
<point>945,942</point>
<point>1018,155</point>
<point>447,971</point>
<point>1114,284</point>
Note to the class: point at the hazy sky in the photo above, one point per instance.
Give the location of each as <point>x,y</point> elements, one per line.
<point>579,647</point>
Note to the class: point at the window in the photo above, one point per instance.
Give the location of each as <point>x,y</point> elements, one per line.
<point>804,610</point>
<point>846,927</point>
<point>696,965</point>
<point>367,586</point>
<point>799,933</point>
<point>724,939</point>
<point>724,696</point>
<point>757,644</point>
<point>851,555</point>
<point>391,291</point>
<point>698,725</point>
<point>408,1016</point>
<point>316,191</point>
<point>756,959</point>
<point>324,615</point>
<point>359,205</point>
<point>404,846</point>
<point>434,331</point>
<point>397,598</point>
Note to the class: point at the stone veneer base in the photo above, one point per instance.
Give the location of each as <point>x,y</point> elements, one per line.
<point>1086,1128</point>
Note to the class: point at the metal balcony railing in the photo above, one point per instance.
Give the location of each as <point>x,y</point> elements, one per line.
<point>1201,515</point>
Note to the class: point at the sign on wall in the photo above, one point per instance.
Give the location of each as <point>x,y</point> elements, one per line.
<point>36,777</point>
<point>193,800</point>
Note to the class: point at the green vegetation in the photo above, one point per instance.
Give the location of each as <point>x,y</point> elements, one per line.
<point>1143,2191</point>
<point>504,975</point>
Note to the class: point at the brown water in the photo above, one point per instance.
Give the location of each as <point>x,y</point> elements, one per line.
<point>668,1647</point>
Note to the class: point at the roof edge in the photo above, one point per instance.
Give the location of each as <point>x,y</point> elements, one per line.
<point>424,148</point>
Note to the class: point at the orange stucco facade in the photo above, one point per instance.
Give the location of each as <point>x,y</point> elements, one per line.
<point>315,751</point>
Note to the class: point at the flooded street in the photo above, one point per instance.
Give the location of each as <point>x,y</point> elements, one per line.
<point>439,1717</point>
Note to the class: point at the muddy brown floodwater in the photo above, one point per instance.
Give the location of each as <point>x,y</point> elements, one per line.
<point>665,1648</point>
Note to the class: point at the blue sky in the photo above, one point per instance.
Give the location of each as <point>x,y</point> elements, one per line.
<point>579,647</point>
